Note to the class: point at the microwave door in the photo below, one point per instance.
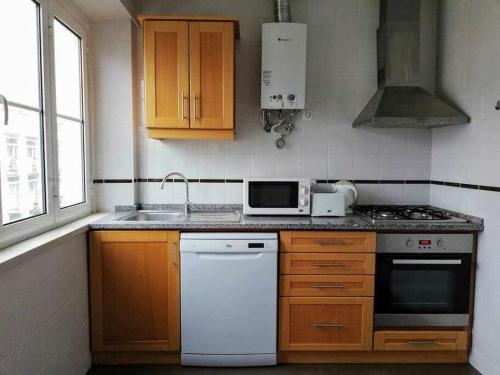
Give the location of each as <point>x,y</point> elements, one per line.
<point>273,194</point>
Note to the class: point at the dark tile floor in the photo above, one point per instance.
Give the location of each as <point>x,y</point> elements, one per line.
<point>336,369</point>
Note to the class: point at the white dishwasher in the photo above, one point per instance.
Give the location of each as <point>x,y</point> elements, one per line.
<point>229,299</point>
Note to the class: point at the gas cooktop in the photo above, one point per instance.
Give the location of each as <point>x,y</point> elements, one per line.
<point>378,214</point>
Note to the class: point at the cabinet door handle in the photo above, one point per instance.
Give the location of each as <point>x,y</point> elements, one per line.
<point>336,286</point>
<point>183,100</point>
<point>335,264</point>
<point>327,325</point>
<point>196,99</point>
<point>173,250</point>
<point>422,342</point>
<point>330,242</point>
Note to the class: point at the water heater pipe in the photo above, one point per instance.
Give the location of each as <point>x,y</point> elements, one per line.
<point>282,11</point>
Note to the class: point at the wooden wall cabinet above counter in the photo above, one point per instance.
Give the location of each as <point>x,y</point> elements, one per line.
<point>189,76</point>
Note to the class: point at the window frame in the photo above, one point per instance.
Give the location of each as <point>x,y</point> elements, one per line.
<point>54,215</point>
<point>62,14</point>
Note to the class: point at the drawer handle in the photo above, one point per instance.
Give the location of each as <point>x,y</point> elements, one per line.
<point>330,242</point>
<point>327,325</point>
<point>335,264</point>
<point>336,286</point>
<point>422,342</point>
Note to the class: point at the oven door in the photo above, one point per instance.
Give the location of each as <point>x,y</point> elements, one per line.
<point>273,197</point>
<point>422,290</point>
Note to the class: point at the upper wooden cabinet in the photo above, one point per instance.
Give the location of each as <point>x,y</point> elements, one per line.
<point>166,53</point>
<point>135,303</point>
<point>189,77</point>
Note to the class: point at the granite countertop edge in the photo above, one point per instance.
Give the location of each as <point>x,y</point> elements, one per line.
<point>352,222</point>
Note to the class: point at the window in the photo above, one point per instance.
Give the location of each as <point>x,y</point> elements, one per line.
<point>20,82</point>
<point>70,125</point>
<point>43,154</point>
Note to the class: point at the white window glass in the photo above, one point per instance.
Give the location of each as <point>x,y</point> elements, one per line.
<point>70,133</point>
<point>21,162</point>
<point>19,42</point>
<point>71,162</point>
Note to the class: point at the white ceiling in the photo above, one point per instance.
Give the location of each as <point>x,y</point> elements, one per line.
<point>98,10</point>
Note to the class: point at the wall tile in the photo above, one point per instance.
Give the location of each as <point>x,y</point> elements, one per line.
<point>47,311</point>
<point>8,331</point>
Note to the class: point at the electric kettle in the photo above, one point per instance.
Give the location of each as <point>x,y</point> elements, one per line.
<point>350,192</point>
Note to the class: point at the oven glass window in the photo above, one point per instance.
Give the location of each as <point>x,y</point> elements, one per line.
<point>275,194</point>
<point>432,284</point>
<point>420,292</point>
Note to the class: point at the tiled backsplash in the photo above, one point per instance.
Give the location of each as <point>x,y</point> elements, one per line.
<point>341,78</point>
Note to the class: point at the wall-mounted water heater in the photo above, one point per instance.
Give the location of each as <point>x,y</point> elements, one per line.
<point>283,83</point>
<point>283,76</point>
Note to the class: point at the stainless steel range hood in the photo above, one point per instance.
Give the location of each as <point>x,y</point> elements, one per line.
<point>407,39</point>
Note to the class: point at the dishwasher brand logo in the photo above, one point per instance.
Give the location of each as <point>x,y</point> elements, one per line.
<point>228,245</point>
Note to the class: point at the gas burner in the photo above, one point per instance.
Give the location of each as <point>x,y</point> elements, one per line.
<point>405,213</point>
<point>385,215</point>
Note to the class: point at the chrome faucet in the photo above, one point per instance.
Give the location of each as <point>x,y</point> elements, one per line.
<point>187,203</point>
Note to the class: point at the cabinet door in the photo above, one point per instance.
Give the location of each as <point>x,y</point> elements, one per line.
<point>166,73</point>
<point>212,75</point>
<point>325,323</point>
<point>134,291</point>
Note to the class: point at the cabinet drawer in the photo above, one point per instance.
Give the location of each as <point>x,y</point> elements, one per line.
<point>327,264</point>
<point>325,323</point>
<point>420,340</point>
<point>326,285</point>
<point>318,242</point>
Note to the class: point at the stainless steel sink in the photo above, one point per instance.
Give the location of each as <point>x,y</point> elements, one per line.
<point>155,216</point>
<point>180,217</point>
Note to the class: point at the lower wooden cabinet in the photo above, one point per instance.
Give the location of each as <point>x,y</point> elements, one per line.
<point>327,285</point>
<point>327,264</point>
<point>134,289</point>
<point>420,340</point>
<point>325,323</point>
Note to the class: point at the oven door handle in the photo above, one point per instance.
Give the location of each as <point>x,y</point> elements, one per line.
<point>428,261</point>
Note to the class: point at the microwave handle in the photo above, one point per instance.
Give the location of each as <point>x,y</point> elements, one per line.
<point>428,261</point>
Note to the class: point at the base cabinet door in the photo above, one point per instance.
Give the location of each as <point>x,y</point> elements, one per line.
<point>134,278</point>
<point>326,323</point>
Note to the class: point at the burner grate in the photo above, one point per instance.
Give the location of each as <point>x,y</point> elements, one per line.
<point>413,213</point>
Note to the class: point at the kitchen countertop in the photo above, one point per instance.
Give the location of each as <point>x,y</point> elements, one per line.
<point>353,222</point>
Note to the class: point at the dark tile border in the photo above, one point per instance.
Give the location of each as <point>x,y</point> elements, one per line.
<point>360,182</point>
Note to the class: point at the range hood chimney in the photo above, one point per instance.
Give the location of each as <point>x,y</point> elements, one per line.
<point>407,39</point>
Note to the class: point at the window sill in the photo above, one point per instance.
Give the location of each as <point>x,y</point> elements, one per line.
<point>24,250</point>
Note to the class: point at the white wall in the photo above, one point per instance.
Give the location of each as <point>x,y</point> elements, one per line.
<point>113,143</point>
<point>470,71</point>
<point>44,324</point>
<point>341,78</point>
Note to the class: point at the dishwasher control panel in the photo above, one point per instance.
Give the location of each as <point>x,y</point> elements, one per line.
<point>229,242</point>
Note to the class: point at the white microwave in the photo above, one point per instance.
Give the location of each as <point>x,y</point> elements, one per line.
<point>276,196</point>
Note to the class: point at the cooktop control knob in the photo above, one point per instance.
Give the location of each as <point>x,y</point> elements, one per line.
<point>303,190</point>
<point>410,243</point>
<point>303,202</point>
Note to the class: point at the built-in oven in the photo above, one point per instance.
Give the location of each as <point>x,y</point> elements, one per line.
<point>276,196</point>
<point>423,280</point>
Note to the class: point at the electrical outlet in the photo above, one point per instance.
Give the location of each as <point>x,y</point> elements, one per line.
<point>307,115</point>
